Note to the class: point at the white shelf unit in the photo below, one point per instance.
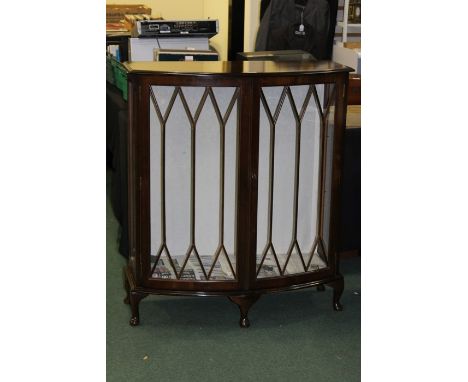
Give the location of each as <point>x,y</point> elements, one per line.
<point>342,54</point>
<point>344,24</point>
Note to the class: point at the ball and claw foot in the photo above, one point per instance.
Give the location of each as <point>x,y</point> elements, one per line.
<point>337,306</point>
<point>244,322</point>
<point>134,321</point>
<point>244,302</point>
<point>134,299</point>
<point>321,288</point>
<point>338,286</point>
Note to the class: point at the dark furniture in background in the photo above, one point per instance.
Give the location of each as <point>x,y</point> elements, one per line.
<point>116,140</point>
<point>120,39</point>
<point>155,90</point>
<point>350,227</point>
<point>236,28</point>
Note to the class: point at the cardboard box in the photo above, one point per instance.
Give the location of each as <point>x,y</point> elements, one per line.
<point>117,12</point>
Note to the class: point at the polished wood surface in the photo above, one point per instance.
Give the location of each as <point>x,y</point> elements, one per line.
<point>249,78</point>
<point>226,68</point>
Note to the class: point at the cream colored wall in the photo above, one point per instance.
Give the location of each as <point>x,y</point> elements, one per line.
<point>179,9</point>
<point>219,9</point>
<point>193,9</point>
<point>251,24</point>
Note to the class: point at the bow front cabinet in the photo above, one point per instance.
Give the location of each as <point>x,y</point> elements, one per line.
<point>234,179</point>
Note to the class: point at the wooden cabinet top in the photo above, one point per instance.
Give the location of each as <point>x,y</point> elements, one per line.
<point>234,68</point>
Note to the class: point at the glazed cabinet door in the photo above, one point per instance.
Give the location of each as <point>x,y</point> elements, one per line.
<point>295,167</point>
<point>189,146</point>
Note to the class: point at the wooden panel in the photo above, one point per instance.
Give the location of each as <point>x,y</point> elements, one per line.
<point>354,90</point>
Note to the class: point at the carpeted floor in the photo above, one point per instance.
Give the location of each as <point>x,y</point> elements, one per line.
<point>294,336</point>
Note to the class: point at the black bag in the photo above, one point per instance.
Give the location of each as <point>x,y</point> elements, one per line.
<point>298,25</point>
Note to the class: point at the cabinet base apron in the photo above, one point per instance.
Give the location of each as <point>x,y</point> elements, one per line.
<point>242,299</point>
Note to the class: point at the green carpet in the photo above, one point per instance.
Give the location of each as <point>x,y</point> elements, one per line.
<point>294,336</point>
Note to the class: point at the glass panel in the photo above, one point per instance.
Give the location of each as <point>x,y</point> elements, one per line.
<point>329,162</point>
<point>288,227</point>
<point>230,171</point>
<point>207,185</point>
<point>155,178</point>
<point>265,134</point>
<point>283,184</point>
<point>193,153</point>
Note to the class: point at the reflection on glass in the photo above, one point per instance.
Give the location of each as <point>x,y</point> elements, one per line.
<point>193,152</point>
<point>290,185</point>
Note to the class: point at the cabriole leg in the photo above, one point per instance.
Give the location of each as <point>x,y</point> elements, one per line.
<point>127,289</point>
<point>338,286</point>
<point>135,298</point>
<point>244,303</point>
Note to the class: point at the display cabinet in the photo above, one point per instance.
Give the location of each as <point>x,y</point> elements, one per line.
<point>234,179</point>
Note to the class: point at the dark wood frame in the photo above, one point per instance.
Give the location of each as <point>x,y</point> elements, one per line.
<point>246,289</point>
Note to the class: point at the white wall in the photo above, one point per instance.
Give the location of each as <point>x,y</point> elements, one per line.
<point>251,23</point>
<point>219,9</point>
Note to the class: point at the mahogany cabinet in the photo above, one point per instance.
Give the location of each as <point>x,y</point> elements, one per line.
<point>234,179</point>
